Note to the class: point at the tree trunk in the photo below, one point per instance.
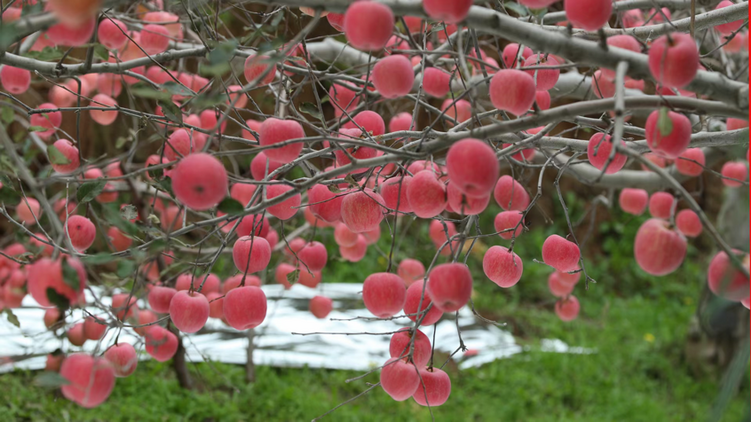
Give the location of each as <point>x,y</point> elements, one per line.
<point>250,367</point>
<point>179,363</point>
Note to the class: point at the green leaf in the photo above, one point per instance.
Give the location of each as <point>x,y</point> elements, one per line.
<point>175,88</point>
<point>171,111</point>
<point>150,93</point>
<point>101,52</point>
<point>129,212</point>
<point>293,276</point>
<point>70,276</point>
<point>114,218</point>
<point>7,115</point>
<point>539,13</point>
<point>125,268</point>
<point>277,20</point>
<point>109,278</point>
<point>150,230</point>
<point>157,246</point>
<point>18,136</point>
<point>311,109</point>
<point>48,54</point>
<point>220,57</point>
<point>55,156</point>
<point>120,142</point>
<point>60,301</point>
<point>38,128</point>
<point>12,318</point>
<point>8,35</point>
<point>155,174</point>
<point>214,70</point>
<point>334,188</point>
<point>98,259</point>
<point>223,52</point>
<point>166,185</point>
<point>50,379</point>
<point>138,255</point>
<point>210,99</point>
<point>30,9</point>
<point>7,165</point>
<point>9,196</point>
<point>664,123</point>
<point>90,190</point>
<point>230,206</point>
<point>516,8</point>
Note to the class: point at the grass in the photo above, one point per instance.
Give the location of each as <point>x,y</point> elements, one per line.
<point>636,375</point>
<point>637,324</point>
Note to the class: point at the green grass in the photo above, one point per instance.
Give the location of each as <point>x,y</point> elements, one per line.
<point>636,375</point>
<point>636,323</point>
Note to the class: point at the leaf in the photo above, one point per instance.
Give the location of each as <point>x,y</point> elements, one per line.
<point>150,230</point>
<point>153,219</point>
<point>114,218</point>
<point>209,99</point>
<point>277,19</point>
<point>18,136</point>
<point>7,115</point>
<point>311,109</point>
<point>129,212</point>
<point>220,57</point>
<point>175,88</point>
<point>98,259</point>
<point>664,123</point>
<point>120,142</point>
<point>516,8</point>
<point>90,190</point>
<point>166,185</point>
<point>7,165</point>
<point>38,128</point>
<point>110,278</point>
<point>214,70</point>
<point>9,196</point>
<point>171,111</point>
<point>351,180</point>
<point>155,174</point>
<point>138,254</point>
<point>7,35</point>
<point>101,52</point>
<point>30,9</point>
<point>157,246</point>
<point>539,13</point>
<point>125,268</point>
<point>293,276</point>
<point>70,276</point>
<point>60,301</point>
<point>334,188</point>
<point>223,52</point>
<point>55,156</point>
<point>50,379</point>
<point>12,318</point>
<point>150,93</point>
<point>48,54</point>
<point>230,206</point>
